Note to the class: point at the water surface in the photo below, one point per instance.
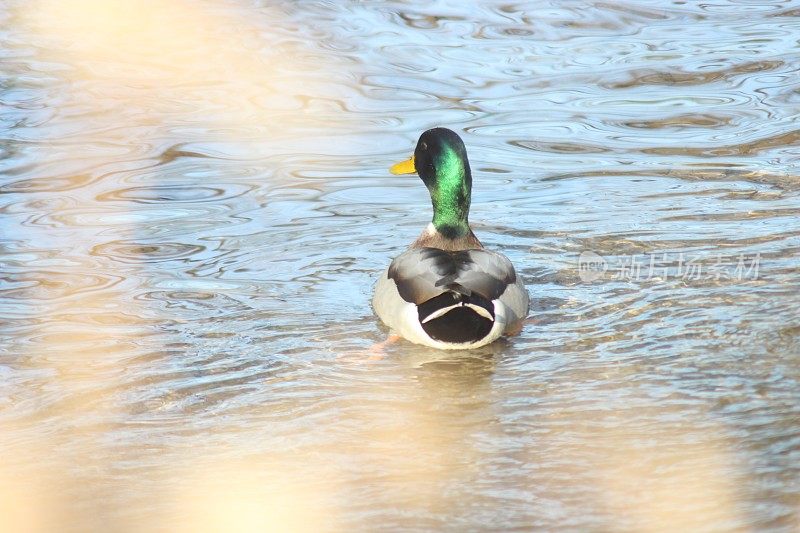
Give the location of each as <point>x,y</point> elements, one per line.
<point>195,206</point>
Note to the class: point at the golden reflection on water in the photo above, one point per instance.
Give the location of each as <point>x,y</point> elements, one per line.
<point>420,439</point>
<point>138,66</point>
<point>158,62</point>
<point>418,436</point>
<point>656,477</point>
<point>235,497</point>
<point>418,445</point>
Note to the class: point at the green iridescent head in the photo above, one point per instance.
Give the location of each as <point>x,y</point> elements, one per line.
<point>440,159</point>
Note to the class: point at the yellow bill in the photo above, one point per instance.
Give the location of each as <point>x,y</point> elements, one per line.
<point>406,167</point>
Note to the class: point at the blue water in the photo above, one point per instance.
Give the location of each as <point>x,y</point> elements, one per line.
<point>195,205</point>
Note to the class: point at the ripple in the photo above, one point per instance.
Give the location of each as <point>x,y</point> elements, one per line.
<point>195,207</point>
<point>678,77</point>
<point>746,215</point>
<point>43,285</point>
<point>683,121</point>
<point>51,184</point>
<point>783,181</point>
<point>565,147</point>
<point>38,205</point>
<point>158,194</point>
<point>140,253</point>
<point>750,148</point>
<point>93,217</point>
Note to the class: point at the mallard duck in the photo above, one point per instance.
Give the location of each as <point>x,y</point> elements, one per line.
<point>446,291</point>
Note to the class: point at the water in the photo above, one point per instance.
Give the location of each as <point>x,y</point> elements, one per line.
<point>196,204</point>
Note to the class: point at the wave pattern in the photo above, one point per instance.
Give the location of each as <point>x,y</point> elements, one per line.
<point>195,205</point>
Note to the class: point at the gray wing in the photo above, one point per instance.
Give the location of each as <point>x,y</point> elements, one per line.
<point>424,273</point>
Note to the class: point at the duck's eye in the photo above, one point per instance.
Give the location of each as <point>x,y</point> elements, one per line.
<point>423,145</point>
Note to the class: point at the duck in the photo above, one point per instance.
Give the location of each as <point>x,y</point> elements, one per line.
<point>447,291</point>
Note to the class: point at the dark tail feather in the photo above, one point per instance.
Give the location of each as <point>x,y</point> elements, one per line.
<point>461,323</point>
